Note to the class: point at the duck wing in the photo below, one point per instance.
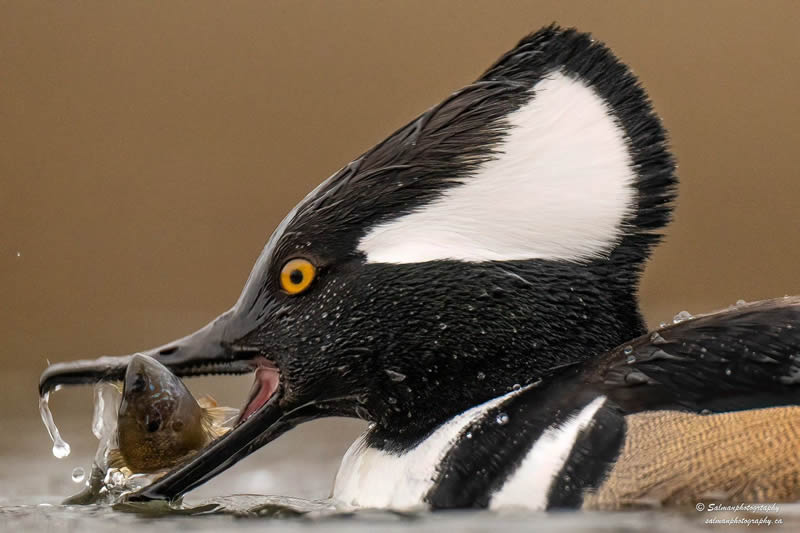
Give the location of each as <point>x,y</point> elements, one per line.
<point>745,357</point>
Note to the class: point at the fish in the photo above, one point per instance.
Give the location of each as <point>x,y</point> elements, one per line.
<point>160,423</point>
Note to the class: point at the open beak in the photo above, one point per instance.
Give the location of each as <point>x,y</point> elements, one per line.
<point>263,418</point>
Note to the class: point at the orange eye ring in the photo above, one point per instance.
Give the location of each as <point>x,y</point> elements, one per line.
<point>297,275</point>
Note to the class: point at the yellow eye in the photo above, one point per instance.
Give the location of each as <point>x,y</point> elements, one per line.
<point>297,275</point>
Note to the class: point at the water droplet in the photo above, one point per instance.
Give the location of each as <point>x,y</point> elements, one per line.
<point>324,314</point>
<point>78,474</point>
<point>728,371</point>
<point>662,325</point>
<point>516,386</point>
<point>19,254</point>
<point>705,412</point>
<point>395,376</point>
<point>60,447</point>
<point>631,359</point>
<point>741,302</point>
<point>468,435</point>
<point>502,419</point>
<point>627,350</point>
<point>481,376</point>
<point>442,326</point>
<point>682,316</point>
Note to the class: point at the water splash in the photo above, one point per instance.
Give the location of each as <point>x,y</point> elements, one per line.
<point>60,446</point>
<point>97,415</point>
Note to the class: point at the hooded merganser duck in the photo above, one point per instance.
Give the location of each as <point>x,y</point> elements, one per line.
<point>469,286</point>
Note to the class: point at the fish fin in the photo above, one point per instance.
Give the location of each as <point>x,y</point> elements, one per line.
<point>218,420</point>
<point>207,401</point>
<point>115,459</point>
<point>222,416</point>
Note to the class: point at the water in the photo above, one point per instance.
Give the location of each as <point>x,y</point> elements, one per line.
<point>681,317</point>
<point>299,466</point>
<point>61,448</point>
<point>78,474</point>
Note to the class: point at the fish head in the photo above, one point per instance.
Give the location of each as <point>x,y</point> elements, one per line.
<point>159,420</point>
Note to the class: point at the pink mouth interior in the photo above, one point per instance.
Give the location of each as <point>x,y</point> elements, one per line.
<point>264,386</point>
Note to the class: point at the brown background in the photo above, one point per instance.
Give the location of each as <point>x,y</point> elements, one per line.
<point>147,150</point>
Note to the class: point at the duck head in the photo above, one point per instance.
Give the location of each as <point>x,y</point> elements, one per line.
<point>491,242</point>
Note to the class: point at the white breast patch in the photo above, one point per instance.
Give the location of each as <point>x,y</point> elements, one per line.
<point>371,478</point>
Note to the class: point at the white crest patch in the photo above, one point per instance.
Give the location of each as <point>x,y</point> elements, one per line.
<point>559,187</point>
<point>529,485</point>
<point>372,478</point>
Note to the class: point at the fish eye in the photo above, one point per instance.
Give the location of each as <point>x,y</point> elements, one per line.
<point>153,425</point>
<point>139,383</point>
<point>297,275</point>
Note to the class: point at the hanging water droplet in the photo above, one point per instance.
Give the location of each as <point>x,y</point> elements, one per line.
<point>728,371</point>
<point>631,359</point>
<point>741,302</point>
<point>395,376</point>
<point>516,387</point>
<point>627,350</point>
<point>468,435</point>
<point>682,316</point>
<point>481,376</point>
<point>705,412</point>
<point>19,254</point>
<point>502,419</point>
<point>78,474</point>
<point>60,447</point>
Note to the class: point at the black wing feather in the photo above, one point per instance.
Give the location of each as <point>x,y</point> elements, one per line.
<point>746,357</point>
